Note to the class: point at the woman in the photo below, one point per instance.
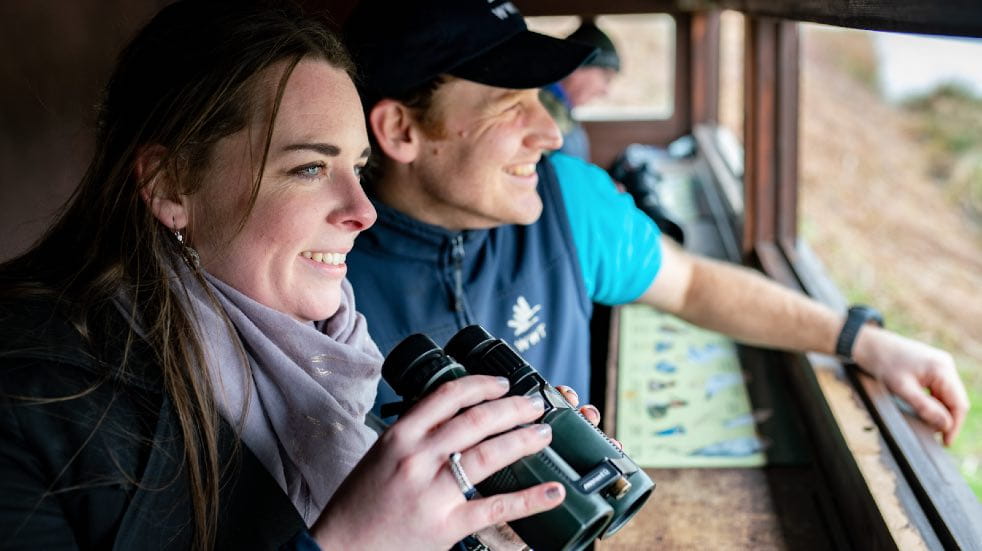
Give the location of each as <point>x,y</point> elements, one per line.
<point>181,364</point>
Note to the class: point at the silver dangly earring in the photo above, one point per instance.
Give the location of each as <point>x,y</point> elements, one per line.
<point>190,255</point>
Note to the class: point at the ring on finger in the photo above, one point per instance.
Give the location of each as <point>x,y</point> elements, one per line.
<point>460,476</point>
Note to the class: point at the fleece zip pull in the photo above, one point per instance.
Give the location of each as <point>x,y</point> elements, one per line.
<point>457,257</point>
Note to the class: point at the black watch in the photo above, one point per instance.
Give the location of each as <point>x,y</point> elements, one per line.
<point>857,317</point>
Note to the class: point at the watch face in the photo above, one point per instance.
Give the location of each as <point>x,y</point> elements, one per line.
<point>855,319</point>
<point>867,314</point>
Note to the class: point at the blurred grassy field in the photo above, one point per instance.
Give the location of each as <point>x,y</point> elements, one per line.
<point>968,448</point>
<point>949,128</point>
<point>948,125</point>
<point>891,200</point>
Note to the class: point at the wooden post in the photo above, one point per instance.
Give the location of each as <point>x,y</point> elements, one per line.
<point>770,133</point>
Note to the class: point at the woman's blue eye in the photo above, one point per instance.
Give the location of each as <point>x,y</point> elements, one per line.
<point>309,171</point>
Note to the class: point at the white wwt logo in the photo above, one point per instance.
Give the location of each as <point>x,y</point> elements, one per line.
<point>529,331</point>
<point>504,11</point>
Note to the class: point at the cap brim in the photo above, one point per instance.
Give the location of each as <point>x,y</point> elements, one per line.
<point>526,60</point>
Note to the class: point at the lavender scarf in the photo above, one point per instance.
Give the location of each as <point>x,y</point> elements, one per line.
<point>300,403</point>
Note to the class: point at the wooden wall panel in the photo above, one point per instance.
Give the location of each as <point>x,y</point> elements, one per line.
<point>54,59</point>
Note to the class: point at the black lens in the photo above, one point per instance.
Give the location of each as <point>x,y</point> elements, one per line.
<point>483,354</point>
<point>467,341</point>
<point>412,364</point>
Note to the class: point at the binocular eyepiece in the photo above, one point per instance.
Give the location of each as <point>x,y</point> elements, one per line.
<point>604,487</point>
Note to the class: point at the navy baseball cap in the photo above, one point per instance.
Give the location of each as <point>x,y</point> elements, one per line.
<point>400,46</point>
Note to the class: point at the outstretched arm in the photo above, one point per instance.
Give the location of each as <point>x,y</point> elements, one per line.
<point>753,309</point>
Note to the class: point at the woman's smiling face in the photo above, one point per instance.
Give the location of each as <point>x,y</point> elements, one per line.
<point>290,252</point>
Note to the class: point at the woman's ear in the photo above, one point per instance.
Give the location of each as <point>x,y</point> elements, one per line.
<point>395,130</point>
<point>158,187</point>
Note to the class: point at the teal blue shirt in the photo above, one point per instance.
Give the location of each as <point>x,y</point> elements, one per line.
<point>617,245</point>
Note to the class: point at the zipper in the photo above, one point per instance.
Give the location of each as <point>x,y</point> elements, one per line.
<point>457,256</point>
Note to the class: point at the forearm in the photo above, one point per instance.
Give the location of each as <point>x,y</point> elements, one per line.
<point>744,305</point>
<point>748,307</point>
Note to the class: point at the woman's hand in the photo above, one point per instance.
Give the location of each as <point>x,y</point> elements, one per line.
<point>402,495</point>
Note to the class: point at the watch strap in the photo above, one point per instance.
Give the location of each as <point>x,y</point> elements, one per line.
<point>858,316</point>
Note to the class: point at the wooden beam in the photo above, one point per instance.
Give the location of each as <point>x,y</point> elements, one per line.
<point>760,60</point>
<point>786,148</point>
<point>770,132</point>
<point>592,8</point>
<point>682,100</point>
<point>950,17</point>
<point>704,40</point>
<point>609,138</point>
<point>950,505</point>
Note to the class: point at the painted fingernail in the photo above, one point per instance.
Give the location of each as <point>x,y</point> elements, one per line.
<point>592,409</point>
<point>503,381</point>
<point>544,429</point>
<point>537,401</point>
<point>554,492</point>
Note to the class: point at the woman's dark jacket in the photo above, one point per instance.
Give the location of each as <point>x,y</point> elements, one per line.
<point>102,469</point>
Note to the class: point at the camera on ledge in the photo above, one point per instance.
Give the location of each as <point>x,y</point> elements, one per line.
<point>636,168</point>
<point>604,487</point>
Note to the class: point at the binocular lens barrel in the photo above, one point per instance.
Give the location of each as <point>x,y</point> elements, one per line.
<point>476,349</point>
<point>417,365</point>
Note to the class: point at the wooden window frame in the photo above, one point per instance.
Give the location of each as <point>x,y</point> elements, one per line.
<point>935,500</point>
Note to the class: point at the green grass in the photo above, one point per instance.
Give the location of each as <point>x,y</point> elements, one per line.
<point>967,450</point>
<point>949,127</point>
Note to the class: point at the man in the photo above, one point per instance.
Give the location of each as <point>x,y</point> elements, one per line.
<point>588,82</point>
<point>475,224</point>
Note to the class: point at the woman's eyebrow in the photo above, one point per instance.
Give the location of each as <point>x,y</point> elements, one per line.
<point>327,149</point>
<point>330,150</point>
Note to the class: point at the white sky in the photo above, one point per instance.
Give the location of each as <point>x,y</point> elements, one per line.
<point>911,64</point>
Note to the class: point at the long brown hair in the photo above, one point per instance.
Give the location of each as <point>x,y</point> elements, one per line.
<point>186,80</point>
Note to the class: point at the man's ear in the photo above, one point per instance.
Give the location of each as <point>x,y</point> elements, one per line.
<point>395,130</point>
<point>159,188</point>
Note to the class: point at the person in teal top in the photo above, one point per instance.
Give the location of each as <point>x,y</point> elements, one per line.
<point>617,265</point>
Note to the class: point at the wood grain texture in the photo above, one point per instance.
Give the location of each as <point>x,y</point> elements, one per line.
<point>949,17</point>
<point>703,509</point>
<point>771,508</point>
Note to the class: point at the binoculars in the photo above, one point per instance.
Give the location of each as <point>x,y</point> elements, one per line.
<point>604,487</point>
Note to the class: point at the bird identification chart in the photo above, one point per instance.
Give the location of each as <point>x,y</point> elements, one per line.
<point>681,398</point>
